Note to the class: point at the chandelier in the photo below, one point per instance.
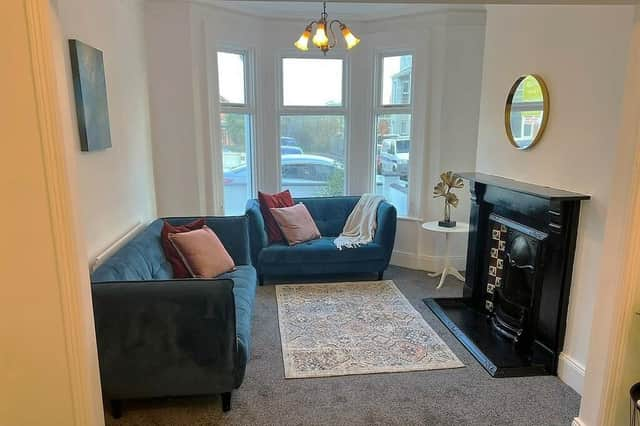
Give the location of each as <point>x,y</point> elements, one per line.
<point>321,38</point>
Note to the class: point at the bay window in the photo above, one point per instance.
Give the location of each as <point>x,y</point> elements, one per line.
<point>393,111</point>
<point>236,129</point>
<point>312,126</point>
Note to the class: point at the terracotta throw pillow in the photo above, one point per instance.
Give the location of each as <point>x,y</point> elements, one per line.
<point>296,224</point>
<point>270,201</point>
<point>177,265</point>
<point>202,253</point>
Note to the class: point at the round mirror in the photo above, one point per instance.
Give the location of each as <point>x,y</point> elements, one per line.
<point>527,111</point>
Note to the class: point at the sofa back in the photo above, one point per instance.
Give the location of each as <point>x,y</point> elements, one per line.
<point>329,213</point>
<point>143,259</point>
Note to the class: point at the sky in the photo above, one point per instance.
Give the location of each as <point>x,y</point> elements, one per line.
<point>390,66</point>
<point>231,77</point>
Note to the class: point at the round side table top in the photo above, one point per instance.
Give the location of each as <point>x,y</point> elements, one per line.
<point>433,226</point>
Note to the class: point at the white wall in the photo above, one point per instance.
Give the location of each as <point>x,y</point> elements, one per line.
<point>448,48</point>
<point>613,351</point>
<point>115,186</point>
<point>581,53</point>
<point>167,25</point>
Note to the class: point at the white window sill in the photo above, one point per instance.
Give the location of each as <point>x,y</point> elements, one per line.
<point>409,219</point>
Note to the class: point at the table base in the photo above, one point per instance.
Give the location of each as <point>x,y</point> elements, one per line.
<point>448,270</point>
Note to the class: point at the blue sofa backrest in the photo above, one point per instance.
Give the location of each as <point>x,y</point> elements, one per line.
<point>143,259</point>
<point>140,259</point>
<point>329,213</point>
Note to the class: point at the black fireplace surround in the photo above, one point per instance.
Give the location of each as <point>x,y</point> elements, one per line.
<point>512,315</point>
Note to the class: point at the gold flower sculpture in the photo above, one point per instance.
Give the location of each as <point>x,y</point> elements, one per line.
<point>448,182</point>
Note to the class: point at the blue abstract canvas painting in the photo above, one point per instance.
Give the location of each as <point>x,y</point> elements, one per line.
<point>90,88</point>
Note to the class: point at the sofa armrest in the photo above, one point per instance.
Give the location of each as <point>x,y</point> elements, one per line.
<point>257,233</point>
<point>162,338</point>
<point>386,227</point>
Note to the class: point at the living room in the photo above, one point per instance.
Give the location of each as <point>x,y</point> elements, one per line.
<point>210,104</point>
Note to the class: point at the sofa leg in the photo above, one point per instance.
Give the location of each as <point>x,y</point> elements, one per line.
<point>380,275</point>
<point>226,401</point>
<point>116,408</point>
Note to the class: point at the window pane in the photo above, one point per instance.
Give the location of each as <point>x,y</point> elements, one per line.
<point>236,149</point>
<point>396,80</point>
<point>312,155</point>
<point>393,146</point>
<point>231,78</point>
<point>311,82</point>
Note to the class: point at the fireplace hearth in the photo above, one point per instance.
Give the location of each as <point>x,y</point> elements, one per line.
<point>519,262</point>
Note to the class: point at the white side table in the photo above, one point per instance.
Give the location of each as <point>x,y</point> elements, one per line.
<point>448,269</point>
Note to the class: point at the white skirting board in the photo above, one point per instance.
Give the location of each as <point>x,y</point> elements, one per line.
<point>577,422</point>
<point>424,262</point>
<point>571,372</point>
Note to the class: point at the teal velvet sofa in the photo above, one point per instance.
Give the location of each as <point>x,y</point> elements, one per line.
<point>321,257</point>
<point>159,336</point>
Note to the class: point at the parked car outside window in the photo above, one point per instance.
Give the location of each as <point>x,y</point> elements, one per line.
<point>288,149</point>
<point>305,175</point>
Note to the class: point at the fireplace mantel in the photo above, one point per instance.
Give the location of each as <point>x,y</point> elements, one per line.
<point>550,214</point>
<point>539,191</point>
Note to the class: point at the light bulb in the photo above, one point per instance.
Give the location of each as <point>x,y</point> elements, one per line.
<point>320,38</point>
<point>303,41</point>
<point>349,38</point>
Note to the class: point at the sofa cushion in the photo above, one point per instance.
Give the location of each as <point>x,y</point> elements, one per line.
<point>296,224</point>
<point>202,252</point>
<point>244,289</point>
<point>319,251</point>
<point>270,201</point>
<point>329,213</point>
<point>173,257</point>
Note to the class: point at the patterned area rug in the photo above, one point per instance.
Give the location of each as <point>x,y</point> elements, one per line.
<point>338,329</point>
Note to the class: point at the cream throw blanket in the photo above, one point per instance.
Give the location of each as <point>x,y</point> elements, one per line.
<point>361,223</point>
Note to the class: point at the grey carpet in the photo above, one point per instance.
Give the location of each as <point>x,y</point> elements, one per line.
<point>463,396</point>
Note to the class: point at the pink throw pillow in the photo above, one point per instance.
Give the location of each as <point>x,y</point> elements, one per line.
<point>296,223</point>
<point>202,252</point>
<point>271,201</point>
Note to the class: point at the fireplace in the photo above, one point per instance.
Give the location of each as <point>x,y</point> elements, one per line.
<point>513,277</point>
<point>519,262</point>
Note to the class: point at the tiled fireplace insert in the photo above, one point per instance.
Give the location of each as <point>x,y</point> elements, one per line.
<point>512,316</point>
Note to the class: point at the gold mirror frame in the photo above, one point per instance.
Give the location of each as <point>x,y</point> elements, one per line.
<point>545,112</point>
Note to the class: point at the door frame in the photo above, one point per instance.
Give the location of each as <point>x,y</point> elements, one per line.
<point>73,281</point>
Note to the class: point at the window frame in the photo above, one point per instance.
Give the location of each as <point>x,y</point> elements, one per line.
<point>310,109</point>
<point>249,84</point>
<point>337,110</point>
<point>248,108</point>
<point>379,108</point>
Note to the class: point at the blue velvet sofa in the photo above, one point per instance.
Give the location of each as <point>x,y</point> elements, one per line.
<point>159,336</point>
<point>321,256</point>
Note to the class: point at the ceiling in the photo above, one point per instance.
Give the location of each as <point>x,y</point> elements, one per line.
<point>310,10</point>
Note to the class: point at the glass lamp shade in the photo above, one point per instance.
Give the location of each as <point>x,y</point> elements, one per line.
<point>303,41</point>
<point>349,38</point>
<point>320,38</point>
